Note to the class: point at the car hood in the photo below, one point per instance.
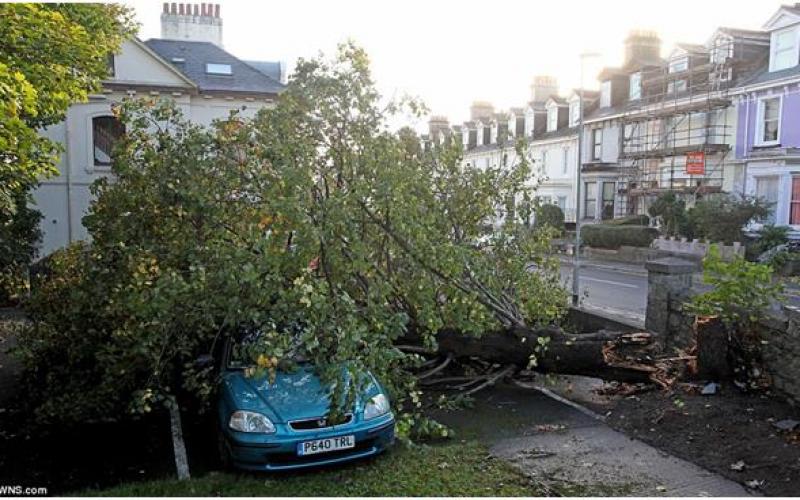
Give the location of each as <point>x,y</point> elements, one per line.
<point>291,396</point>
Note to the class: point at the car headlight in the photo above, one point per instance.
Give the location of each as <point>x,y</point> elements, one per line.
<point>378,405</point>
<point>249,421</point>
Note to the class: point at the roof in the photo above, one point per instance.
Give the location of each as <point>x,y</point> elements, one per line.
<point>740,33</point>
<point>764,75</point>
<point>244,78</point>
<point>794,9</point>
<point>557,100</point>
<point>270,68</point>
<point>692,48</point>
<point>516,111</point>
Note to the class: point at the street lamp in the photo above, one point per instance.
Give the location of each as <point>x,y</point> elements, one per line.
<point>577,250</point>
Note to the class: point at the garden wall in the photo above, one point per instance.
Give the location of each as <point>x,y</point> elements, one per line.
<point>671,284</point>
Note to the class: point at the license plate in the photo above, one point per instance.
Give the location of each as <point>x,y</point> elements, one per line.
<point>326,445</point>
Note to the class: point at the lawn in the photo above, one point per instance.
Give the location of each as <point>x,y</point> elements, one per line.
<point>458,468</point>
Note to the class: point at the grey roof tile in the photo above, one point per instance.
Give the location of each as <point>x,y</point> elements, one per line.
<point>244,78</point>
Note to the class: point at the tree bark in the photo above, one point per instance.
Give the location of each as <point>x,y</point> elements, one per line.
<point>712,349</point>
<point>178,445</point>
<point>607,355</point>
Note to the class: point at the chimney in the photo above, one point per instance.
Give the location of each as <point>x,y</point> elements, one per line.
<point>438,127</point>
<point>543,87</point>
<point>194,22</point>
<point>481,110</point>
<point>642,47</point>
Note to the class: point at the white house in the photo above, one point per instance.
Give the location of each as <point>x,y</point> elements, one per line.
<point>187,65</point>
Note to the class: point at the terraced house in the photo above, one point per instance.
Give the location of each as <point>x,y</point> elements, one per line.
<point>549,125</point>
<point>186,65</point>
<point>768,136</point>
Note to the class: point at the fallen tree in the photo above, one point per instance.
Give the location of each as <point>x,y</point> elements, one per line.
<point>320,226</point>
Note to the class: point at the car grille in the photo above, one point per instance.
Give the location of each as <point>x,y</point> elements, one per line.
<point>311,424</point>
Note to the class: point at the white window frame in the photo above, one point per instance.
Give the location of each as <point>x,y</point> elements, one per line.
<point>721,50</point>
<point>773,48</point>
<point>597,153</point>
<point>679,64</point>
<point>760,117</point>
<point>552,119</point>
<point>671,86</point>
<point>637,78</point>
<point>605,94</point>
<point>574,113</point>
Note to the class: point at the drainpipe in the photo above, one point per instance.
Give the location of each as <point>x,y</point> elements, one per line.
<point>745,146</point>
<point>68,170</point>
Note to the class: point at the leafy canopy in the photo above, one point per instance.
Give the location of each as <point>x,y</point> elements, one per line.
<point>51,55</point>
<point>313,222</point>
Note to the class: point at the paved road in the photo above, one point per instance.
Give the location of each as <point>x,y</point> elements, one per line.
<point>614,290</point>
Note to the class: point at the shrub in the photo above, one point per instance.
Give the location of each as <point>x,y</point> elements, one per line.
<point>611,236</point>
<point>631,220</point>
<point>19,236</point>
<point>550,215</point>
<point>672,213</point>
<point>722,218</point>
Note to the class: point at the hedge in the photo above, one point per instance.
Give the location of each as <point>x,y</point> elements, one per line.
<point>615,236</point>
<point>630,220</point>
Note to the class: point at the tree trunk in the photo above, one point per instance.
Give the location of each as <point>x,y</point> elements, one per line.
<point>178,445</point>
<point>607,355</point>
<point>712,349</point>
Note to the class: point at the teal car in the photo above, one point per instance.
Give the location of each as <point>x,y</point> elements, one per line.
<point>283,424</point>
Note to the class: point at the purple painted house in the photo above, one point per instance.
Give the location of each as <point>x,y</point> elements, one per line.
<point>768,125</point>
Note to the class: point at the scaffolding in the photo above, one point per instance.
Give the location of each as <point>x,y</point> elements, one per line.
<point>682,110</point>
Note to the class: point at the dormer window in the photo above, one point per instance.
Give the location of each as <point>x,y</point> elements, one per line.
<point>574,113</point>
<point>218,69</point>
<point>679,64</point>
<point>552,119</point>
<point>635,86</point>
<point>721,50</point>
<point>784,51</point>
<point>605,94</point>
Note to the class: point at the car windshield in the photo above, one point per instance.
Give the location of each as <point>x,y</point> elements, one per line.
<point>249,343</point>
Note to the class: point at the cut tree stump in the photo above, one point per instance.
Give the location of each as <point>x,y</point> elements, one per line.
<point>712,348</point>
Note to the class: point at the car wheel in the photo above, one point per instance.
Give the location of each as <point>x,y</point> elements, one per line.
<point>225,459</point>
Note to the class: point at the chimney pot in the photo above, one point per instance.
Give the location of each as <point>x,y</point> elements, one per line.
<point>204,9</point>
<point>216,10</point>
<point>181,9</point>
<point>166,8</point>
<point>173,8</point>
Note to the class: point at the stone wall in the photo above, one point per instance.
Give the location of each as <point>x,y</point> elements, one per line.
<point>697,249</point>
<point>671,283</point>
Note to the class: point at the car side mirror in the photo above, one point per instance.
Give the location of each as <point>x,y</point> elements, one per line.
<point>204,361</point>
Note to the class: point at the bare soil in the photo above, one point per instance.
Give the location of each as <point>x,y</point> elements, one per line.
<point>730,432</point>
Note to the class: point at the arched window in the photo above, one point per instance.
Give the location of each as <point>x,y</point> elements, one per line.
<point>106,131</point>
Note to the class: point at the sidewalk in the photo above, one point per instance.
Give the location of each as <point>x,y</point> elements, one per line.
<point>577,454</point>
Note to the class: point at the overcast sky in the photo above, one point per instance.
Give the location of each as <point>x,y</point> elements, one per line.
<point>450,53</point>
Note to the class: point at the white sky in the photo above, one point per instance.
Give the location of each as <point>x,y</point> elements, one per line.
<point>451,52</point>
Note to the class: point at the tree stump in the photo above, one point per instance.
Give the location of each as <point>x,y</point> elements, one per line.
<point>712,348</point>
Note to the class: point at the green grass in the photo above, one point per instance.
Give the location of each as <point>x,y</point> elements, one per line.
<point>461,468</point>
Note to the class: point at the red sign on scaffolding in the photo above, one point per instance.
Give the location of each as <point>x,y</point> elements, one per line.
<point>696,163</point>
